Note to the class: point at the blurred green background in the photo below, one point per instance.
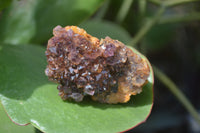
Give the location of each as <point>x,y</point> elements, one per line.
<point>170,40</point>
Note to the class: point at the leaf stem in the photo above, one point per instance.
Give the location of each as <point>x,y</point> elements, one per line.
<point>122,13</point>
<point>147,26</point>
<point>103,10</point>
<point>142,7</point>
<point>180,18</point>
<point>177,93</point>
<point>156,2</point>
<point>171,3</point>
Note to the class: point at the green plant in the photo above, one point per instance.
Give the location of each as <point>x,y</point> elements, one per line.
<point>28,96</point>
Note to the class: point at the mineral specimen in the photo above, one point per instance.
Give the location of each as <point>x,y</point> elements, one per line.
<point>106,70</point>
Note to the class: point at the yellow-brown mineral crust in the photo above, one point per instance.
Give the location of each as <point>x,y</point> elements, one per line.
<point>82,65</point>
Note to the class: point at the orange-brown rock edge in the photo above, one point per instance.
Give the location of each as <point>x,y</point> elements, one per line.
<point>83,65</point>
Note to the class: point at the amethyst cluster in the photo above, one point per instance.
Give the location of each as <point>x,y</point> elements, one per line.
<point>82,65</point>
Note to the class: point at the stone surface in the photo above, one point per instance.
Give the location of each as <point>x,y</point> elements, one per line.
<point>82,65</point>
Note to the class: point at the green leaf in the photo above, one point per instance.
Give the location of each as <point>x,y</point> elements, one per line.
<point>101,29</point>
<point>61,12</point>
<point>29,97</point>
<point>159,36</point>
<point>7,126</point>
<point>4,4</point>
<point>17,22</point>
<point>33,20</point>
